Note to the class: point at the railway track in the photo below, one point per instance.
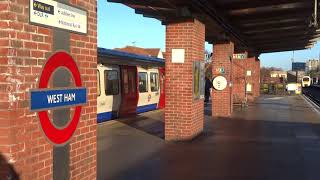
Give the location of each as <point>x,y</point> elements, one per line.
<point>313,93</point>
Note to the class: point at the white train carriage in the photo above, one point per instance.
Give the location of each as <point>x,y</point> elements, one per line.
<point>149,89</point>
<point>109,92</point>
<point>306,81</point>
<point>127,84</point>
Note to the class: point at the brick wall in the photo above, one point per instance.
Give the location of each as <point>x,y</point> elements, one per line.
<point>240,78</point>
<point>24,49</point>
<point>253,64</point>
<point>83,145</point>
<point>4,114</point>
<point>222,100</point>
<point>183,115</point>
<point>256,90</point>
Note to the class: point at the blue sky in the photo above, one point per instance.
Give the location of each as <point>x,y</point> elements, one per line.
<point>119,26</point>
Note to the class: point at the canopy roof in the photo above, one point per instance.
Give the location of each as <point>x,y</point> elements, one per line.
<point>258,26</point>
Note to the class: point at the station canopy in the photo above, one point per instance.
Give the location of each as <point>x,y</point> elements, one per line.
<point>258,26</point>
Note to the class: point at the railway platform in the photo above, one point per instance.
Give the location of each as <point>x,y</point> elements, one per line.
<point>275,138</point>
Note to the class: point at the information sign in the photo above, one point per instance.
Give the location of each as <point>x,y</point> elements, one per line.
<point>54,14</point>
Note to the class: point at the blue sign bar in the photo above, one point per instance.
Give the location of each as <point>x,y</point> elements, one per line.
<point>42,99</point>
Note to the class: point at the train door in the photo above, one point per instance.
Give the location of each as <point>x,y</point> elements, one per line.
<point>148,89</point>
<point>129,91</point>
<point>154,89</point>
<point>161,104</point>
<point>109,97</point>
<point>143,86</point>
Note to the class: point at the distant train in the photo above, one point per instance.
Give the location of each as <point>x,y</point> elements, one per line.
<point>306,81</point>
<point>128,84</point>
<point>315,81</point>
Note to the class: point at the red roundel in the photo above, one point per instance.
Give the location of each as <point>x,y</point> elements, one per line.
<point>58,60</point>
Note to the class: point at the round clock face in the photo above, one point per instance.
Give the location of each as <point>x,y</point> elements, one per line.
<point>220,83</point>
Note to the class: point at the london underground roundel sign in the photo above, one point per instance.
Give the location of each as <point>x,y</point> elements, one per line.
<point>44,99</point>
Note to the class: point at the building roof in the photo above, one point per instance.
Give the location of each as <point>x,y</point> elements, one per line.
<point>151,52</point>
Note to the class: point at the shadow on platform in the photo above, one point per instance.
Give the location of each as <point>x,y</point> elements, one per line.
<point>233,149</point>
<point>266,141</point>
<point>147,123</point>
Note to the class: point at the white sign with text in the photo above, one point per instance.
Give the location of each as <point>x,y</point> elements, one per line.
<point>54,14</point>
<point>178,55</point>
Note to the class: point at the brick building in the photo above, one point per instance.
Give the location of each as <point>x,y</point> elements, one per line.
<point>313,65</point>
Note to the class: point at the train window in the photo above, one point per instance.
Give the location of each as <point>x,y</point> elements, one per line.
<point>98,79</point>
<point>112,82</point>
<point>143,82</point>
<point>154,82</point>
<point>132,81</point>
<point>305,79</point>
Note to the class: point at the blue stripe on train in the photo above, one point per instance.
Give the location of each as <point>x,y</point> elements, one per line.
<point>150,107</point>
<point>106,116</point>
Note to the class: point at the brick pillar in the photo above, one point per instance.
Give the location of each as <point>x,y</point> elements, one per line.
<point>250,63</point>
<point>257,78</point>
<point>239,80</point>
<point>253,65</point>
<point>241,77</point>
<point>183,115</point>
<point>222,58</point>
<point>24,48</point>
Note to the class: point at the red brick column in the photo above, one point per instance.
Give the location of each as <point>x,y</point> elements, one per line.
<point>253,65</point>
<point>239,80</point>
<point>222,100</point>
<point>257,78</point>
<point>183,115</point>
<point>24,49</point>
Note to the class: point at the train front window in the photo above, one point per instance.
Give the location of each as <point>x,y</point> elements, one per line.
<point>305,79</point>
<point>143,82</point>
<point>112,82</point>
<point>154,83</point>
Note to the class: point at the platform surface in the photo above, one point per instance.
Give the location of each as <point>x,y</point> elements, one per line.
<point>276,138</point>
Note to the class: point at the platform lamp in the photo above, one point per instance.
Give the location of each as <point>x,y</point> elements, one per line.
<point>314,21</point>
<point>296,71</point>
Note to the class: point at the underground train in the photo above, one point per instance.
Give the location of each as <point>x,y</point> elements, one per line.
<point>306,81</point>
<point>128,84</point>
